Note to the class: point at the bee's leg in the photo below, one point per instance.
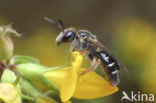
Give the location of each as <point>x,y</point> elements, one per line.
<point>94,64</point>
<point>70,52</point>
<point>84,52</point>
<point>106,74</point>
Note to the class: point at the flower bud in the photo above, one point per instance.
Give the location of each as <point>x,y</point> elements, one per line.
<point>34,73</point>
<point>9,93</point>
<point>28,88</point>
<point>5,36</point>
<point>8,76</point>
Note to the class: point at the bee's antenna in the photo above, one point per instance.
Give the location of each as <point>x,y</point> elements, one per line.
<point>61,27</point>
<point>60,22</point>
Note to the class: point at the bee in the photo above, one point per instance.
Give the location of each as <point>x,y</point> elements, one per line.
<point>87,43</point>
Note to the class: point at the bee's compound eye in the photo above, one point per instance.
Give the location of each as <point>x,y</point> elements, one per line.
<point>69,36</point>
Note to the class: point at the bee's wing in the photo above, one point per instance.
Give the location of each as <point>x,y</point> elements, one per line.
<point>102,47</point>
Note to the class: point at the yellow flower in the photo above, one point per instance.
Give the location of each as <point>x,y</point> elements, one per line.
<point>88,86</point>
<point>9,93</point>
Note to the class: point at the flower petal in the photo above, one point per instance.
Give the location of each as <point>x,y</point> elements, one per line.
<point>92,86</point>
<point>70,81</point>
<point>78,60</point>
<point>68,85</point>
<point>56,76</point>
<point>9,93</point>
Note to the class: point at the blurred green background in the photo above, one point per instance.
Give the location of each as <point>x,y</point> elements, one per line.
<point>126,27</point>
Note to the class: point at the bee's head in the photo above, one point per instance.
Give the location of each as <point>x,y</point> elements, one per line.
<point>66,35</point>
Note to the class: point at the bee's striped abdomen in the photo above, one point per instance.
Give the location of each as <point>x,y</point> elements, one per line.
<point>111,67</point>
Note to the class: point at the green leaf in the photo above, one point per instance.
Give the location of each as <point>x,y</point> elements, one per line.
<point>8,76</point>
<point>18,59</point>
<point>57,67</point>
<point>29,89</point>
<point>25,97</point>
<point>34,73</point>
<point>17,80</point>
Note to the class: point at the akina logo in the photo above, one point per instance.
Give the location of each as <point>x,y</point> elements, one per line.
<point>137,96</point>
